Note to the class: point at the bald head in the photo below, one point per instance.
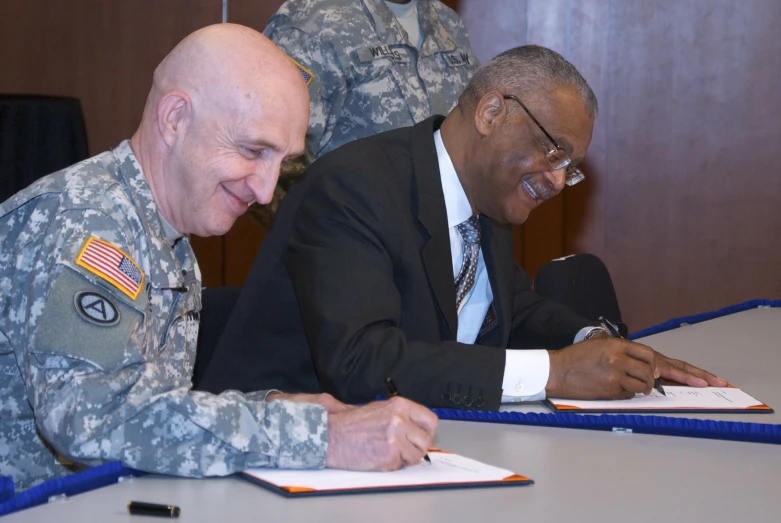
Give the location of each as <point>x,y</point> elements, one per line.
<point>226,108</point>
<point>226,65</point>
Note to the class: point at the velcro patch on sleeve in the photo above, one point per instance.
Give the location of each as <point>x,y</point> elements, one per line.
<point>82,320</point>
<point>306,74</point>
<point>111,264</point>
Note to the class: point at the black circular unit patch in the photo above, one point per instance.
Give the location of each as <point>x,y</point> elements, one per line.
<point>96,308</point>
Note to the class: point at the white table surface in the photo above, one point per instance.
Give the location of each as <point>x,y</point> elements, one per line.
<point>580,475</point>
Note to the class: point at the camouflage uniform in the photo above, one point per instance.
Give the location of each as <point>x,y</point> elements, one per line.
<point>95,367</point>
<point>364,75</point>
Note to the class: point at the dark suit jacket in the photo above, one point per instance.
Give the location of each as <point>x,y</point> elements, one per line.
<point>358,264</point>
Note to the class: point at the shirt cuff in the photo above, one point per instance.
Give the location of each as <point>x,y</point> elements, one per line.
<point>582,333</point>
<point>525,375</point>
<point>262,395</point>
<point>295,433</point>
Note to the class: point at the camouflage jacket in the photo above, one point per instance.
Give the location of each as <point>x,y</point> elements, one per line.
<point>364,75</point>
<point>99,313</point>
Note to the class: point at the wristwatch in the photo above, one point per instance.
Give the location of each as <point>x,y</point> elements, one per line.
<point>595,332</point>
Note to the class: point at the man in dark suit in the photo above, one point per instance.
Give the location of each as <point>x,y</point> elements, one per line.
<point>393,258</point>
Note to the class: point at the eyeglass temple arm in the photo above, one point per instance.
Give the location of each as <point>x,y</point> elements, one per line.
<point>515,98</point>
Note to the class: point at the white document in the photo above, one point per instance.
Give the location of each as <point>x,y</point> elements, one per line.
<point>444,468</point>
<point>688,398</point>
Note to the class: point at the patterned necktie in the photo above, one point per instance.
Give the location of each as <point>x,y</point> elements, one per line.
<point>470,233</point>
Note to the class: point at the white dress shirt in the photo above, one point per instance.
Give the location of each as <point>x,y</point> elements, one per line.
<point>525,371</point>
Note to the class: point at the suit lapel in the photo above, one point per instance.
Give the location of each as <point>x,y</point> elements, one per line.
<point>496,242</point>
<point>432,216</point>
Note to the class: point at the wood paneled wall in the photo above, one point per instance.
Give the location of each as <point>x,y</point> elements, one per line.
<point>683,195</point>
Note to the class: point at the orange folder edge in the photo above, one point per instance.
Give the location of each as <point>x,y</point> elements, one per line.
<point>509,479</point>
<point>761,406</point>
<point>516,477</point>
<point>297,490</point>
<point>560,406</point>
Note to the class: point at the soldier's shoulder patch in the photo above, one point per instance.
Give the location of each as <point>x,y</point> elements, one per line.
<point>111,264</point>
<point>306,74</point>
<point>96,308</point>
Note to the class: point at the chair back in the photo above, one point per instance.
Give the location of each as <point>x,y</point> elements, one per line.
<point>583,283</point>
<point>39,135</point>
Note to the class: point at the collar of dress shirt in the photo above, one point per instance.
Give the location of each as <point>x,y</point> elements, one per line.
<point>456,202</point>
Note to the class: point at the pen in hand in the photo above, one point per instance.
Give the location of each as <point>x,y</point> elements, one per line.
<point>393,391</point>
<point>613,330</point>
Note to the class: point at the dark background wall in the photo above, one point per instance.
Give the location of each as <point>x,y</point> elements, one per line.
<point>683,195</point>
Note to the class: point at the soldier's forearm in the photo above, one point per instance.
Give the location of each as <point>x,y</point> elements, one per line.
<point>167,429</point>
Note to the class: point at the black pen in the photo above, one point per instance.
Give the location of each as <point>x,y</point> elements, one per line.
<point>142,508</point>
<point>393,391</point>
<point>613,330</point>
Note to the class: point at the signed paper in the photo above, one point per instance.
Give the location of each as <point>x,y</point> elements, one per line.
<point>683,398</point>
<point>444,469</point>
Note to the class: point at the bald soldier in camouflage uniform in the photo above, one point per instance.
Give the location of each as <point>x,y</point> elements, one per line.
<point>100,291</point>
<point>65,304</point>
<point>364,74</point>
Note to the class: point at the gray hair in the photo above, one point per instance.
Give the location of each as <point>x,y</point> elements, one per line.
<point>527,71</point>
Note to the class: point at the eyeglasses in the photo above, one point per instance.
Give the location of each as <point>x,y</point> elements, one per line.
<point>556,155</point>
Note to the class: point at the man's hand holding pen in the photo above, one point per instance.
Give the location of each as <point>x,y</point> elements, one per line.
<point>383,435</point>
<point>613,368</point>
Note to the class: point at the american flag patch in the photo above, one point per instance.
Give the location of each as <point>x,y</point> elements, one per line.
<point>306,74</point>
<point>113,265</point>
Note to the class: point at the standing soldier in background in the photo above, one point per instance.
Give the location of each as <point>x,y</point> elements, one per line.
<point>370,66</point>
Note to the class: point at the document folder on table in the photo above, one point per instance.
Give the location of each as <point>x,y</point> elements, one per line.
<point>678,399</point>
<point>446,471</point>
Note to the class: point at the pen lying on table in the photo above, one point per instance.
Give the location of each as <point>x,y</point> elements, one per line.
<point>142,508</point>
